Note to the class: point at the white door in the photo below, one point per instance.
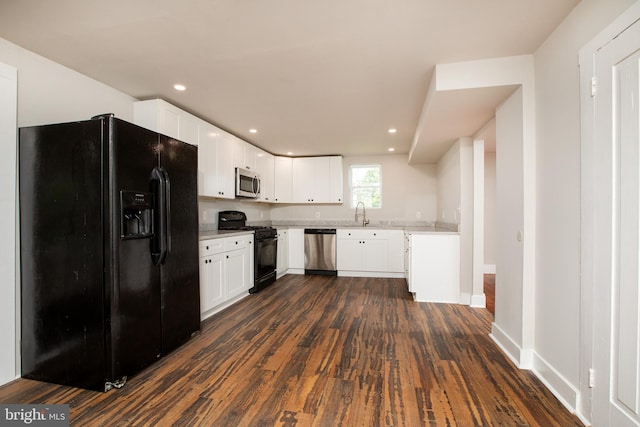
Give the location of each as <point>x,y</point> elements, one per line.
<point>616,233</point>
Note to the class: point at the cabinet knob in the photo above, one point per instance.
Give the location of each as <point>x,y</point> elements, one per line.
<point>227,256</point>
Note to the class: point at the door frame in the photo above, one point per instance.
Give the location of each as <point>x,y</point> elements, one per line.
<point>594,386</point>
<point>10,293</point>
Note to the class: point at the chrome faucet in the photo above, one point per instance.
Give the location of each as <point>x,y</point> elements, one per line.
<point>365,221</point>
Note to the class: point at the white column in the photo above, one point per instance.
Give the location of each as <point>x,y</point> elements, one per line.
<point>9,286</point>
<point>477,295</point>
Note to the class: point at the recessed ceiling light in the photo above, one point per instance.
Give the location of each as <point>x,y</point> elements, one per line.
<point>253,130</point>
<point>390,149</point>
<point>180,87</point>
<point>289,153</point>
<point>392,130</point>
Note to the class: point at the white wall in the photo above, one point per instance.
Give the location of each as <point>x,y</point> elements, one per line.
<point>208,210</point>
<point>406,190</point>
<point>47,93</point>
<point>51,93</point>
<point>557,333</point>
<point>455,205</point>
<point>490,230</point>
<point>449,185</point>
<point>510,206</point>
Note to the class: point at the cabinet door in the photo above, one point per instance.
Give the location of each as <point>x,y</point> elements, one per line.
<point>251,156</point>
<point>296,248</point>
<point>282,257</point>
<point>245,155</point>
<point>215,173</point>
<point>211,282</point>
<point>225,170</point>
<point>283,179</point>
<point>395,263</point>
<point>207,161</point>
<point>236,273</point>
<point>188,128</point>
<point>158,116</point>
<point>304,180</point>
<point>407,263</point>
<point>349,254</point>
<point>375,255</point>
<point>336,188</point>
<point>322,180</point>
<point>265,167</point>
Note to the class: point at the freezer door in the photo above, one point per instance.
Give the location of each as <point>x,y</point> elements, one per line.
<point>179,271</point>
<point>135,281</point>
<point>61,251</point>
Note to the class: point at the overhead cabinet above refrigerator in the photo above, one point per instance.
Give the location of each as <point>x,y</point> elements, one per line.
<point>109,250</point>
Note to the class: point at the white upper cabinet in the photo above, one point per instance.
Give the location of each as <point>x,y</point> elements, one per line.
<point>283,179</point>
<point>266,168</point>
<point>317,179</point>
<point>164,118</point>
<point>216,176</point>
<point>246,155</point>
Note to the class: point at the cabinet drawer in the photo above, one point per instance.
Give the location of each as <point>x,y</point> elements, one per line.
<point>211,247</point>
<point>233,243</point>
<point>355,233</point>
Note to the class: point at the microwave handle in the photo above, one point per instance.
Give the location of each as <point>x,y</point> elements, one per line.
<point>256,188</point>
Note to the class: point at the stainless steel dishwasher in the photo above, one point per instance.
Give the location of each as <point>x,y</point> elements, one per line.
<point>320,251</point>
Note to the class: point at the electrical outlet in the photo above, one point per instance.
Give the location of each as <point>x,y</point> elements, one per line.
<point>261,215</point>
<point>204,215</point>
<point>317,214</point>
<point>418,215</point>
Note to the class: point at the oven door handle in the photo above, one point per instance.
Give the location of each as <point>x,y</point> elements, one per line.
<point>268,239</point>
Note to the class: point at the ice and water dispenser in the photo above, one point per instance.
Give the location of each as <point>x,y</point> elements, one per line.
<point>136,214</point>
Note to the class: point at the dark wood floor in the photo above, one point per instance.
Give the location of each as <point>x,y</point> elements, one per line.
<point>324,351</point>
<point>490,292</point>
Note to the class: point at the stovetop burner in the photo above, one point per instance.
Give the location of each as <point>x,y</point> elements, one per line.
<point>236,220</point>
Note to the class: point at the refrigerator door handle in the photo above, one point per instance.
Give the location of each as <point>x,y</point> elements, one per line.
<point>160,242</point>
<point>167,213</point>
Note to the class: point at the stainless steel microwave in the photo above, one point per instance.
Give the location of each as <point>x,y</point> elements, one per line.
<point>247,183</point>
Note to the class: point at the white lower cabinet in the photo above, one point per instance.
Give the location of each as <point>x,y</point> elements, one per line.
<point>226,271</point>
<point>282,257</point>
<point>364,252</point>
<point>296,250</point>
<point>211,282</point>
<point>432,266</point>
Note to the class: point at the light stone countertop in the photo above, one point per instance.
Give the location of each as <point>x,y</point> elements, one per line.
<point>217,234</point>
<point>413,227</point>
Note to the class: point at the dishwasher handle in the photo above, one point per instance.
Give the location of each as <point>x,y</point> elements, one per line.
<point>319,231</point>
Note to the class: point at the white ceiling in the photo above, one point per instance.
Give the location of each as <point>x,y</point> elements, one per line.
<point>313,77</point>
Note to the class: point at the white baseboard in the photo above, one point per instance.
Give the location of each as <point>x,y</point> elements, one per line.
<point>561,388</point>
<point>371,274</point>
<point>222,306</point>
<point>528,359</point>
<point>479,301</point>
<point>489,269</point>
<point>508,346</point>
<point>465,298</point>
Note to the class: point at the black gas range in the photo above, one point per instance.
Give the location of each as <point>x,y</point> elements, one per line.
<point>265,247</point>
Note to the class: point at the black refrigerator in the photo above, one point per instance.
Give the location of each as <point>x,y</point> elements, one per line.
<point>109,250</point>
